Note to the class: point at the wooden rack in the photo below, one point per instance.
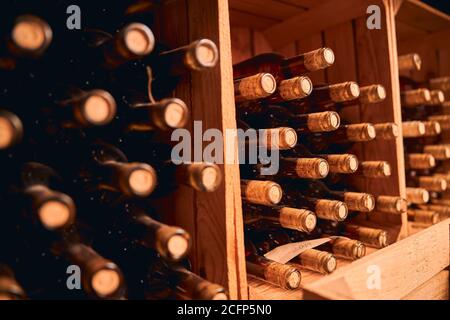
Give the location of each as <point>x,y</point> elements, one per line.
<point>411,267</point>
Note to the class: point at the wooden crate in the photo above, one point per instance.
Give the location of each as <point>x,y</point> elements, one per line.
<point>411,267</point>
<point>362,55</point>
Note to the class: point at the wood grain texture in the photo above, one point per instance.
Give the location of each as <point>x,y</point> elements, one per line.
<point>404,266</point>
<point>437,288</point>
<point>376,58</point>
<point>268,8</point>
<point>214,220</point>
<point>241,44</point>
<point>249,20</point>
<point>420,15</point>
<point>327,13</point>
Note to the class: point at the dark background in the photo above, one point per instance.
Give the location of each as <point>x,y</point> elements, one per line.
<point>443,5</point>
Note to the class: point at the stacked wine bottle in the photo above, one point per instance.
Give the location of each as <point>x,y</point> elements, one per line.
<point>426,117</point>
<point>85,154</point>
<point>314,194</point>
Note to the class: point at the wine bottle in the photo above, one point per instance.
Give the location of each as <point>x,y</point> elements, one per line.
<point>437,97</point>
<point>376,238</point>
<point>30,36</point>
<point>374,169</point>
<point>294,168</point>
<point>439,152</point>
<point>441,83</point>
<point>391,204</point>
<point>10,289</point>
<point>371,94</point>
<point>417,195</point>
<point>323,208</point>
<point>284,68</point>
<point>276,116</point>
<point>414,98</point>
<point>281,138</point>
<point>409,62</point>
<point>386,131</point>
<point>338,163</point>
<point>432,128</point>
<point>171,242</point>
<point>11,129</point>
<point>261,192</point>
<point>423,217</point>
<point>31,192</point>
<point>441,209</point>
<point>444,121</point>
<point>166,114</point>
<point>282,275</point>
<point>416,161</point>
<point>100,277</point>
<point>289,218</point>
<point>342,138</point>
<point>429,183</point>
<point>254,87</point>
<point>413,129</point>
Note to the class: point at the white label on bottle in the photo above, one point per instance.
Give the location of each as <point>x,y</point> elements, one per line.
<point>287,252</point>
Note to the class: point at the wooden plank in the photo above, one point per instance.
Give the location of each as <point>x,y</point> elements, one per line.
<point>306,4</point>
<point>245,19</point>
<point>437,288</point>
<point>376,55</point>
<point>312,42</point>
<point>320,17</point>
<point>397,5</point>
<point>403,267</point>
<point>406,32</point>
<point>218,215</point>
<point>268,8</point>
<point>241,44</point>
<point>420,15</point>
<point>444,63</point>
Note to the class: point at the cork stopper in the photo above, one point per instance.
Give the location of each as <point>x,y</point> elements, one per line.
<point>409,62</point>
<point>314,168</point>
<point>360,132</point>
<point>284,276</point>
<point>386,131</point>
<point>362,202</point>
<point>420,161</point>
<point>372,94</point>
<point>331,210</point>
<point>413,98</point>
<point>375,169</point>
<point>443,210</point>
<point>141,179</point>
<point>98,108</point>
<point>345,91</point>
<point>9,288</point>
<point>105,282</point>
<point>372,237</point>
<point>417,195</point>
<point>413,129</point>
<point>204,176</point>
<point>167,114</point>
<point>323,121</point>
<point>348,248</point>
<point>31,35</point>
<point>342,163</point>
<point>437,97</point>
<point>173,243</point>
<point>138,39</point>
<point>444,121</point>
<point>261,192</point>
<point>435,184</point>
<point>319,59</point>
<point>56,214</point>
<point>279,138</point>
<point>442,83</point>
<point>318,261</point>
<point>425,217</point>
<point>11,129</point>
<point>202,54</point>
<point>440,152</point>
<point>297,219</point>
<point>295,88</point>
<point>255,87</point>
<point>432,128</point>
<point>391,204</point>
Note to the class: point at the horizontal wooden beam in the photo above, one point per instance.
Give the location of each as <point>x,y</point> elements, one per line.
<point>318,18</point>
<point>437,288</point>
<point>401,267</point>
<point>435,40</point>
